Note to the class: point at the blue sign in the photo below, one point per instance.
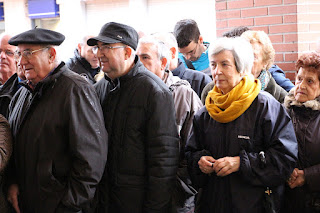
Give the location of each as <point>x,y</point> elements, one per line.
<point>1,12</point>
<point>43,9</point>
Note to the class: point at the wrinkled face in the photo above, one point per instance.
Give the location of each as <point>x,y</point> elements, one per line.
<point>86,52</point>
<point>307,85</point>
<point>7,62</point>
<point>191,52</point>
<point>112,61</point>
<point>38,65</point>
<point>258,64</point>
<point>149,57</point>
<point>224,71</point>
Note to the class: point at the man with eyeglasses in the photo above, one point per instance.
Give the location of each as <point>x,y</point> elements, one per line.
<point>140,119</point>
<point>193,50</point>
<point>10,75</point>
<point>60,141</point>
<point>85,62</point>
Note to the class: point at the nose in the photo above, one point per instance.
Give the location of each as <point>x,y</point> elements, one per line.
<point>99,53</point>
<point>21,61</point>
<point>3,54</point>
<point>187,56</point>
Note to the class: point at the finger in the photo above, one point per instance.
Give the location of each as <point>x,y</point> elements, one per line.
<point>15,204</point>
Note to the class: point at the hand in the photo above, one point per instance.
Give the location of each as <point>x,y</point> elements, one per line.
<point>297,178</point>
<point>227,165</point>
<point>206,164</point>
<point>13,193</point>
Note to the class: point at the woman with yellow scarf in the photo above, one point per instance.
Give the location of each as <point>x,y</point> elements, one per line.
<point>243,140</point>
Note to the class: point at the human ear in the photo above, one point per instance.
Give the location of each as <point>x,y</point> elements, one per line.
<point>164,63</point>
<point>173,52</point>
<point>52,54</point>
<point>128,52</point>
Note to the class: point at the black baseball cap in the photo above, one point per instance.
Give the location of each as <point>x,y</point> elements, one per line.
<point>37,36</point>
<point>113,32</point>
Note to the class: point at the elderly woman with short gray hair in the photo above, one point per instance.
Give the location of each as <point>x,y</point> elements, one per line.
<point>239,124</point>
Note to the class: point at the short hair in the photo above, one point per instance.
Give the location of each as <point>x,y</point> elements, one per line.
<point>311,61</point>
<point>241,50</point>
<point>263,39</point>
<point>235,32</point>
<point>162,50</point>
<point>168,38</point>
<point>186,31</point>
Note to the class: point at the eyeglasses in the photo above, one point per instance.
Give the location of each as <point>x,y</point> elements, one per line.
<point>104,48</point>
<point>7,53</point>
<point>27,54</point>
<point>192,52</point>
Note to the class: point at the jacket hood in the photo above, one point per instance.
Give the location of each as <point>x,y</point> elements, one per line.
<point>173,81</point>
<point>290,101</point>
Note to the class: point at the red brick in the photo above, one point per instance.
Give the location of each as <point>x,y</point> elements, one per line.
<point>285,28</point>
<point>276,38</point>
<point>279,57</point>
<point>303,47</point>
<point>220,32</point>
<point>282,9</point>
<point>290,19</point>
<point>258,3</point>
<point>290,1</point>
<point>287,66</point>
<point>228,14</point>
<point>221,6</point>
<point>222,24</point>
<point>293,47</point>
<point>291,37</point>
<point>302,9</point>
<point>254,12</point>
<point>315,27</point>
<point>240,22</point>
<point>239,4</point>
<point>268,20</point>
<point>220,0</point>
<point>291,76</point>
<point>263,28</point>
<point>308,17</point>
<point>291,57</point>
<point>303,27</point>
<point>304,37</point>
<point>314,8</point>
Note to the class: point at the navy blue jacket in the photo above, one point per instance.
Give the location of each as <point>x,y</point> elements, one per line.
<point>198,80</point>
<point>278,75</point>
<point>264,126</point>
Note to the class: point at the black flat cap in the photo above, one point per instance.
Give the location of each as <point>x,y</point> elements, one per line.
<point>113,32</point>
<point>37,36</point>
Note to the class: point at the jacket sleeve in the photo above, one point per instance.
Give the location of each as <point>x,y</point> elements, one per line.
<point>279,76</point>
<point>5,143</point>
<point>280,147</point>
<point>162,145</point>
<point>194,151</point>
<point>88,148</point>
<point>312,175</point>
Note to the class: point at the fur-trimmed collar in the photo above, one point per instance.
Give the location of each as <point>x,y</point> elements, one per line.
<point>290,101</point>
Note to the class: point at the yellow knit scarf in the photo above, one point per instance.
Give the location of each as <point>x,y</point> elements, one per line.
<point>225,108</point>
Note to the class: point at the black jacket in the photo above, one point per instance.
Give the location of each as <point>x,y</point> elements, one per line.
<point>82,67</point>
<point>60,143</point>
<point>7,91</point>
<point>144,145</point>
<point>198,80</point>
<point>264,126</point>
<point>306,121</point>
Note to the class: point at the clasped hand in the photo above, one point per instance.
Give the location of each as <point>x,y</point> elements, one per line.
<point>222,166</point>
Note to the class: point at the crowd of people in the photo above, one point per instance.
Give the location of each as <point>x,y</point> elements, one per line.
<point>165,123</point>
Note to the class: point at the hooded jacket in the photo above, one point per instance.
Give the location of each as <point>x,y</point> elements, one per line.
<point>306,121</point>
<point>143,156</point>
<point>264,126</point>
<point>60,143</point>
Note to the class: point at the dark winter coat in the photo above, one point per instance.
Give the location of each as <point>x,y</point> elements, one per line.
<point>82,67</point>
<point>306,122</point>
<point>198,80</point>
<point>60,143</point>
<point>144,145</point>
<point>7,91</point>
<point>264,126</point>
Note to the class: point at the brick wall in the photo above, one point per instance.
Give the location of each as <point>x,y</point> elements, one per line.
<point>292,25</point>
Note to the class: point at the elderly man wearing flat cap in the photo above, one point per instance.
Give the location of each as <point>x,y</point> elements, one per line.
<point>140,119</point>
<point>60,141</point>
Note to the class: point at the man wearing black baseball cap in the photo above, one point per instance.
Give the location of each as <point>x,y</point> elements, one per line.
<point>60,140</point>
<point>140,119</point>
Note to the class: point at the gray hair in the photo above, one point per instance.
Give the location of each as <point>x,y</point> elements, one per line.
<point>241,50</point>
<point>162,50</point>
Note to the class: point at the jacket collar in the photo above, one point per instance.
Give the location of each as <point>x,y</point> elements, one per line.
<point>180,70</point>
<point>10,86</point>
<point>290,101</point>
